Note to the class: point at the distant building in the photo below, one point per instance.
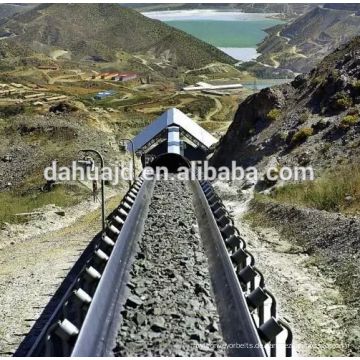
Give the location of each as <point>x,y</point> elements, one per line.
<point>128,77</point>
<point>47,67</point>
<point>15,85</point>
<point>115,76</point>
<point>200,86</point>
<point>56,98</point>
<point>104,94</point>
<point>124,77</point>
<point>34,96</point>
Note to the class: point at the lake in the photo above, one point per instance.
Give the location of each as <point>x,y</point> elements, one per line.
<point>235,33</point>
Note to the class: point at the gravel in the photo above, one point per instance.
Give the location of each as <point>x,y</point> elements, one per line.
<point>170,310</point>
<point>307,296</point>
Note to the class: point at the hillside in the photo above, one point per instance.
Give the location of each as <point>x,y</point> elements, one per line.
<point>301,45</point>
<point>314,121</point>
<point>8,10</point>
<point>289,10</point>
<point>319,101</point>
<point>103,31</point>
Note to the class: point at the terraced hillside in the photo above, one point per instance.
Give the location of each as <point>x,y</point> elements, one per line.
<point>302,44</point>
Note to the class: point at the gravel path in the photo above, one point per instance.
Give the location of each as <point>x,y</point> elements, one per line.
<point>171,310</point>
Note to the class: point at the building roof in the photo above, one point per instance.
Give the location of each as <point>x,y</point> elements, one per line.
<point>172,117</point>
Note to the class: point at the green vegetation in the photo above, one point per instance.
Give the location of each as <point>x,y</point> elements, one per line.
<point>317,80</point>
<point>356,86</point>
<point>349,120</point>
<point>273,114</point>
<point>301,135</point>
<point>343,103</point>
<point>62,196</point>
<point>340,101</point>
<point>335,191</point>
<point>335,74</point>
<point>12,110</point>
<point>201,107</point>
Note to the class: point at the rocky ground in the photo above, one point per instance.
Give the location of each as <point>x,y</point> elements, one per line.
<point>29,144</point>
<point>36,264</point>
<point>171,310</point>
<point>308,298</point>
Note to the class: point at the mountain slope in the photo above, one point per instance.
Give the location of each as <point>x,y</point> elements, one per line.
<point>8,10</point>
<point>301,45</point>
<point>325,102</point>
<point>101,31</point>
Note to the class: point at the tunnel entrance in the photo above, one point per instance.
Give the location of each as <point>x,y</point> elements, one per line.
<point>171,161</point>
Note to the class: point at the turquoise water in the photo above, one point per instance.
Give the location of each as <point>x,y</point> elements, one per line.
<point>235,33</point>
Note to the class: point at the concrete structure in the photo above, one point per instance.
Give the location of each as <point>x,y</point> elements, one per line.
<point>201,86</point>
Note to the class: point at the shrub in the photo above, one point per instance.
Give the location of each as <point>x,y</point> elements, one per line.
<point>303,117</point>
<point>317,81</point>
<point>343,103</point>
<point>273,114</point>
<point>12,110</point>
<point>335,74</point>
<point>356,86</point>
<point>348,121</point>
<point>273,173</point>
<point>340,101</point>
<point>301,135</point>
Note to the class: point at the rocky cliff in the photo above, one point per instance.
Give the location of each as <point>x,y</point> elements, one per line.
<point>315,119</point>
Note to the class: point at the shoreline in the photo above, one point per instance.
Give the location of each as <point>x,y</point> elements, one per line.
<point>209,14</point>
<point>242,51</point>
<point>246,53</point>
